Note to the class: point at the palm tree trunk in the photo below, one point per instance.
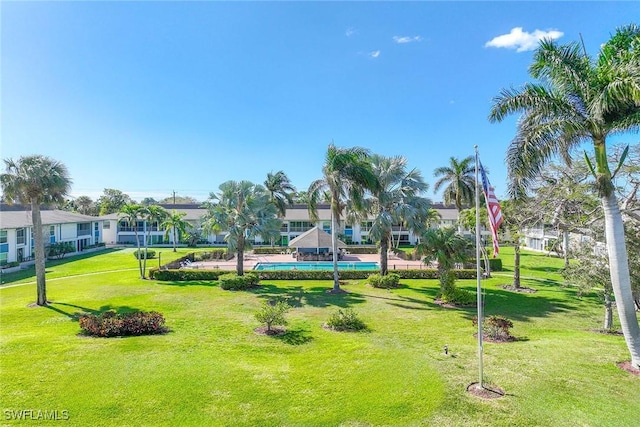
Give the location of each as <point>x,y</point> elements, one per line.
<point>620,279</point>
<point>608,311</point>
<point>240,256</point>
<point>516,265</point>
<point>334,247</point>
<point>135,233</point>
<point>38,242</point>
<point>174,239</point>
<point>384,247</point>
<point>565,247</point>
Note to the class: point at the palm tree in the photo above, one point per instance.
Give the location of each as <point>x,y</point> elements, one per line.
<point>153,215</point>
<point>131,214</point>
<point>85,205</point>
<point>36,180</point>
<point>578,100</point>
<point>458,180</point>
<point>347,174</point>
<point>280,191</point>
<point>396,200</point>
<point>243,210</point>
<point>174,224</point>
<point>447,248</point>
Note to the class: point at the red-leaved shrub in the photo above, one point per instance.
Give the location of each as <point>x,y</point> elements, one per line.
<point>112,324</point>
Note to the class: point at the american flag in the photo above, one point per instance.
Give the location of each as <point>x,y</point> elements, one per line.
<point>495,213</point>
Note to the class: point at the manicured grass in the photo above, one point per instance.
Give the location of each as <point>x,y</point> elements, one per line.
<point>211,369</point>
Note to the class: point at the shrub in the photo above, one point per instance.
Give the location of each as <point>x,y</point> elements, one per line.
<point>112,324</point>
<point>346,320</point>
<point>272,313</point>
<point>457,296</point>
<point>59,249</point>
<point>495,264</point>
<point>270,250</point>
<point>232,281</point>
<point>140,254</point>
<point>214,254</point>
<point>496,327</point>
<point>389,281</point>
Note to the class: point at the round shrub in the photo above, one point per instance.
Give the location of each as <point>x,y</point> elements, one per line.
<point>234,282</point>
<point>459,297</point>
<point>346,320</point>
<point>496,327</point>
<point>387,282</point>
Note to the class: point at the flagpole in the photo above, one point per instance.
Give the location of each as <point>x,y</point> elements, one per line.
<point>478,275</point>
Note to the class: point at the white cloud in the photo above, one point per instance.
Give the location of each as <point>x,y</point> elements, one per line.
<point>350,31</point>
<point>374,54</point>
<point>406,39</point>
<point>522,40</point>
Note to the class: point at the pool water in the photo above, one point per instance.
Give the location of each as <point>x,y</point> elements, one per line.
<point>342,265</point>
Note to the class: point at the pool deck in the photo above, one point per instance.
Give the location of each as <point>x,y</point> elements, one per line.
<point>250,261</point>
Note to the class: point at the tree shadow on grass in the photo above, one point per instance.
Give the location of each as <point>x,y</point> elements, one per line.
<point>75,314</point>
<point>295,337</point>
<point>209,283</point>
<point>297,296</point>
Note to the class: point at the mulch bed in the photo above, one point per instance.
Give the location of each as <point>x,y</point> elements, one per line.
<point>522,289</point>
<point>275,331</point>
<point>627,367</point>
<point>487,392</point>
<point>486,338</point>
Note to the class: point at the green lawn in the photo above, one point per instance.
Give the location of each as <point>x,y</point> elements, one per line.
<point>211,369</point>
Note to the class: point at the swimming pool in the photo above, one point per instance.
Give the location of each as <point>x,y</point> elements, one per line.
<point>342,265</point>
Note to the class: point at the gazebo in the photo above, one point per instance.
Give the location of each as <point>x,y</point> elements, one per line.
<point>314,245</point>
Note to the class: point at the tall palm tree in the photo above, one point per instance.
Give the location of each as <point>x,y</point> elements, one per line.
<point>396,200</point>
<point>581,99</point>
<point>446,247</point>
<point>36,180</point>
<point>243,210</point>
<point>153,215</point>
<point>458,180</point>
<point>85,205</point>
<point>131,214</point>
<point>347,174</point>
<point>174,224</point>
<point>280,190</point>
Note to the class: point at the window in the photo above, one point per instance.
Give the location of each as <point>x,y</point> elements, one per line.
<point>106,225</point>
<point>52,234</point>
<point>300,226</point>
<point>366,226</point>
<point>3,258</point>
<point>84,229</point>
<point>3,236</point>
<point>20,236</point>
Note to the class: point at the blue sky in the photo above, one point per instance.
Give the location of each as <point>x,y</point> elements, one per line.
<point>152,97</point>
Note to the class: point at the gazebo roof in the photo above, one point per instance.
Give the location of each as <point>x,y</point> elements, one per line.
<point>314,238</point>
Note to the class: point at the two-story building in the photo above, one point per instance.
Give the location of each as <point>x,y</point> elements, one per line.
<point>16,231</point>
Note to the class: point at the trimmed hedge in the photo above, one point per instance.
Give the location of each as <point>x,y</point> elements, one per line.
<point>231,281</point>
<point>271,250</point>
<point>112,324</point>
<point>140,254</point>
<point>188,275</point>
<point>209,255</point>
<point>389,281</point>
<point>495,264</point>
<point>362,249</point>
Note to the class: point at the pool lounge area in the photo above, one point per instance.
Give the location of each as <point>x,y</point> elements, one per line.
<point>342,265</point>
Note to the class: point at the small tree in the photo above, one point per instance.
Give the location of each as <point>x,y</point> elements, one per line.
<point>273,314</point>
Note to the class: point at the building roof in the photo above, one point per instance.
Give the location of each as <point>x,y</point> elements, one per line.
<point>20,219</point>
<point>314,238</point>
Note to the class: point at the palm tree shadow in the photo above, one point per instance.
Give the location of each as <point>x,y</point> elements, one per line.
<point>75,315</point>
<point>297,296</point>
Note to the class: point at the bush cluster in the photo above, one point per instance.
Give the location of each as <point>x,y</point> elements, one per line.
<point>459,297</point>
<point>362,249</point>
<point>112,324</point>
<point>140,254</point>
<point>209,255</point>
<point>391,280</point>
<point>231,281</point>
<point>346,320</point>
<point>270,250</point>
<point>496,327</point>
<point>60,249</point>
